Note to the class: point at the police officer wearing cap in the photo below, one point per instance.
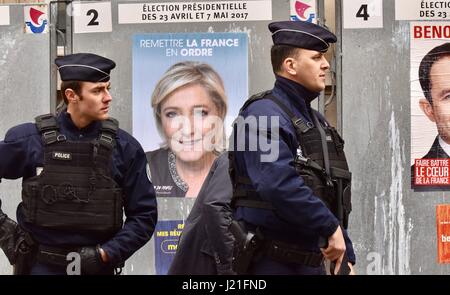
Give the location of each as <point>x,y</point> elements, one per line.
<point>81,173</point>
<point>292,208</point>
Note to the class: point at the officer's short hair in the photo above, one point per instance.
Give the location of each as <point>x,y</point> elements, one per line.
<point>189,73</point>
<point>427,62</point>
<point>74,85</point>
<point>278,53</point>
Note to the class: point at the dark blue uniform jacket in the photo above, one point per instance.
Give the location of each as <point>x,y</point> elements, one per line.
<point>21,153</point>
<point>299,216</point>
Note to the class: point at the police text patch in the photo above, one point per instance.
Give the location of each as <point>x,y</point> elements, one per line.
<point>62,156</point>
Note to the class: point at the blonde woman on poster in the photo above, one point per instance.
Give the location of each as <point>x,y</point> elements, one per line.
<point>180,163</point>
<point>189,105</point>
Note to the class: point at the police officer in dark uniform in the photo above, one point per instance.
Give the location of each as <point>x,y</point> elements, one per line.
<point>292,201</point>
<point>81,173</point>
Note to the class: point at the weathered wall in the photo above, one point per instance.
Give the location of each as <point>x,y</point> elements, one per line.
<point>394,228</point>
<point>24,92</point>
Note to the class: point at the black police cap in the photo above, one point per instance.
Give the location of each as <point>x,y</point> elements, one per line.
<point>84,67</point>
<point>301,34</point>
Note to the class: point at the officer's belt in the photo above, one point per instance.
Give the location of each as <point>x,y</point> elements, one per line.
<point>288,253</point>
<point>54,255</point>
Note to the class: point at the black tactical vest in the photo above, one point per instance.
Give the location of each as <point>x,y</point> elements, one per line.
<point>320,161</point>
<point>75,191</point>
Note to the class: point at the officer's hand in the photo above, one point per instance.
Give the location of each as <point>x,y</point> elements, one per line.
<point>336,247</point>
<point>8,238</point>
<point>91,262</point>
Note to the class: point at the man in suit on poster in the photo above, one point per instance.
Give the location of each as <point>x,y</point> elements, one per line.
<point>434,78</point>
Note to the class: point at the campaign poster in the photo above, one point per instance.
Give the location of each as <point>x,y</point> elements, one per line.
<point>154,54</point>
<point>443,232</point>
<point>430,105</point>
<point>167,234</point>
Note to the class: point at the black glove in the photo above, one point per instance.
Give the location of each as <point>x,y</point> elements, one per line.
<point>8,237</point>
<point>91,262</point>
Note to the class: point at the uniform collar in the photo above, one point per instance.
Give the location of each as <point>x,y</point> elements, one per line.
<point>295,91</point>
<point>67,124</point>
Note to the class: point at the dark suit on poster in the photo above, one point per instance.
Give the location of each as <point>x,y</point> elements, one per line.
<point>435,152</point>
<point>206,245</point>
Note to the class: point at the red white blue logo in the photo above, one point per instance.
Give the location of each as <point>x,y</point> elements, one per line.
<point>302,10</point>
<point>36,19</point>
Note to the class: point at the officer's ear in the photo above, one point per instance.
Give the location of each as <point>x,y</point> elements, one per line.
<point>427,108</point>
<point>288,66</point>
<point>290,63</point>
<point>71,95</point>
